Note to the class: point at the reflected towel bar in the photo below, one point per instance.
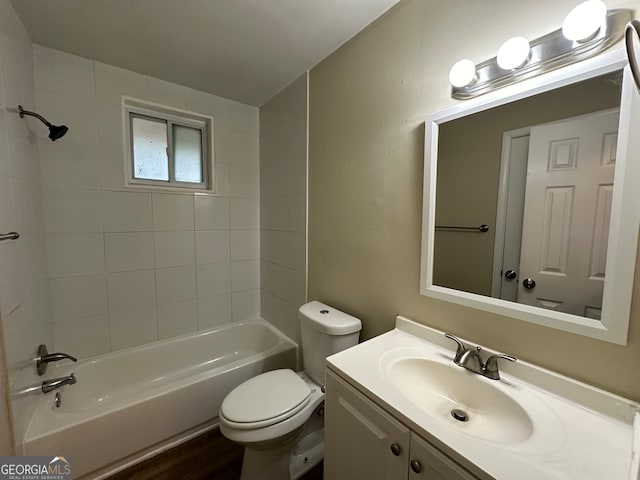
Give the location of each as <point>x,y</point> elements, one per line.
<point>9,236</point>
<point>482,228</point>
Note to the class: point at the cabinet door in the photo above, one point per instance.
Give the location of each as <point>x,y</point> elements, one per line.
<point>361,440</point>
<point>433,464</point>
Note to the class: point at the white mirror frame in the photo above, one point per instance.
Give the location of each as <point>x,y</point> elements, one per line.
<point>625,216</point>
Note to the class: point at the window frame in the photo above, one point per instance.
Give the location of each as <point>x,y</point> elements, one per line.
<point>135,108</point>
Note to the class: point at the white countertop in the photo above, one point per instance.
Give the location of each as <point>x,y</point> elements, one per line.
<point>580,432</point>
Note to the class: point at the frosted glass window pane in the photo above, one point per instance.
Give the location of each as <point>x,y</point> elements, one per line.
<point>187,154</point>
<point>150,149</point>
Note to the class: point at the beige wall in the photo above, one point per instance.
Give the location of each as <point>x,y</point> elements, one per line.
<point>368,101</point>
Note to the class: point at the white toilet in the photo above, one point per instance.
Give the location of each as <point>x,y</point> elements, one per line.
<point>278,415</point>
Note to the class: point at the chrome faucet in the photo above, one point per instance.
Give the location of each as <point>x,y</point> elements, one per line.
<point>472,360</point>
<point>44,357</point>
<point>55,383</point>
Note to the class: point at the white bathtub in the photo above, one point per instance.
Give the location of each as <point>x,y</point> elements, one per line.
<point>133,403</point>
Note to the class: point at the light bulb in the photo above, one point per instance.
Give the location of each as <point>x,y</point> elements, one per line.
<point>584,21</point>
<point>514,53</point>
<point>462,74</point>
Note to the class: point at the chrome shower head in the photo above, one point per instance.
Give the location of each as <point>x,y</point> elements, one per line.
<point>55,131</point>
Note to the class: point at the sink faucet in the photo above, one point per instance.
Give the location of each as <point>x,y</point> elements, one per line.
<point>472,360</point>
<point>55,383</point>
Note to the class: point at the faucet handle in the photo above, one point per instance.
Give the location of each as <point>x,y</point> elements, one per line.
<point>44,357</point>
<point>490,367</point>
<point>461,346</point>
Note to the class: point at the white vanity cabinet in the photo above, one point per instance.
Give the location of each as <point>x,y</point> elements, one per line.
<point>364,441</point>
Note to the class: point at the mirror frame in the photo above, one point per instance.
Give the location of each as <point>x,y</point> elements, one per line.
<point>625,216</point>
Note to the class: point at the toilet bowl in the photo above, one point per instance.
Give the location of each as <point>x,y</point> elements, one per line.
<point>278,415</point>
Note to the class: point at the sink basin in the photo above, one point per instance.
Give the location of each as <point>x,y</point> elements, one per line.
<point>482,409</point>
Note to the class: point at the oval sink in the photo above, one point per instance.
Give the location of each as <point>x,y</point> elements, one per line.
<point>481,410</point>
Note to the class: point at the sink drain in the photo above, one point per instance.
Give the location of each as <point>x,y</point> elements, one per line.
<point>459,415</point>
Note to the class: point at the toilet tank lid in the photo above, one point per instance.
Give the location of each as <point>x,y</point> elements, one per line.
<point>327,319</point>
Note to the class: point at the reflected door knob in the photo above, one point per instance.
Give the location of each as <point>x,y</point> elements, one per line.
<point>528,283</point>
<point>395,449</point>
<point>510,274</point>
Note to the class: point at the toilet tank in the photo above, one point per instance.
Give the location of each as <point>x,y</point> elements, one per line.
<point>325,331</point>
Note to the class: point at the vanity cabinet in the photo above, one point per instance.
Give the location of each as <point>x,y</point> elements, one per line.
<point>364,441</point>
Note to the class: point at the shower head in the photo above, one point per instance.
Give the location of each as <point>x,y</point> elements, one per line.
<point>55,131</point>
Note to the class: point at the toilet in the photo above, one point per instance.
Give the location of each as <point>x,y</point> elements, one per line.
<point>278,415</point>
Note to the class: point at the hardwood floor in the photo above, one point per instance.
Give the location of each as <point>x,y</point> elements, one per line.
<point>207,457</point>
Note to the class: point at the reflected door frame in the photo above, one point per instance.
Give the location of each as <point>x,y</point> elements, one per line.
<point>510,208</point>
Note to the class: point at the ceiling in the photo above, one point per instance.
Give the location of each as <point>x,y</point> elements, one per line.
<point>246,50</point>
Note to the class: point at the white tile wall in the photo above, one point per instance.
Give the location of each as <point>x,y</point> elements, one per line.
<point>174,249</point>
<point>212,247</point>
<point>211,213</point>
<point>245,304</point>
<point>127,211</point>
<point>214,311</point>
<point>245,275</point>
<point>213,279</point>
<point>86,336</point>
<point>71,210</point>
<point>173,212</point>
<point>70,254</point>
<point>129,290</point>
<point>177,318</point>
<point>283,210</point>
<point>133,327</point>
<point>68,165</point>
<point>175,284</point>
<point>129,251</point>
<point>134,264</point>
<point>78,297</point>
<point>24,297</point>
<point>245,213</point>
<point>244,245</point>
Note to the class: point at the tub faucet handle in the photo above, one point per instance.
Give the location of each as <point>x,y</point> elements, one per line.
<point>44,357</point>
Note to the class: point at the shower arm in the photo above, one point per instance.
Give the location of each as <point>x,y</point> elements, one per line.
<point>24,112</point>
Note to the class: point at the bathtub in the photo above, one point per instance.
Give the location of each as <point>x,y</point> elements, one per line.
<point>129,405</point>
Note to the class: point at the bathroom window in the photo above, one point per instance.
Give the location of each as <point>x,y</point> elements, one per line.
<point>167,147</point>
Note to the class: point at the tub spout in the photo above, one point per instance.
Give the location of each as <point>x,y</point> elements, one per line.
<point>55,383</point>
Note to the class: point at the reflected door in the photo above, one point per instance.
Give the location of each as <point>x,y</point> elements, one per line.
<point>567,208</point>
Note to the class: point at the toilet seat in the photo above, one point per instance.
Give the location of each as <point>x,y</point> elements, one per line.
<point>265,400</point>
<point>282,426</point>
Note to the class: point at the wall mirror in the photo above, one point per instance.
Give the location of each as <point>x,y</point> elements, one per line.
<point>531,198</point>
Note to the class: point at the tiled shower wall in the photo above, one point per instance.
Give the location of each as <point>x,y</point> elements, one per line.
<point>283,206</point>
<point>125,266</point>
<point>24,306</point>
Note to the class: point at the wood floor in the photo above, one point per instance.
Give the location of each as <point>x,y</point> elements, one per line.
<point>207,457</point>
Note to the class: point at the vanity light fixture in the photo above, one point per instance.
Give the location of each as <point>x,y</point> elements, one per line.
<point>584,21</point>
<point>463,73</point>
<point>514,53</point>
<point>588,30</point>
